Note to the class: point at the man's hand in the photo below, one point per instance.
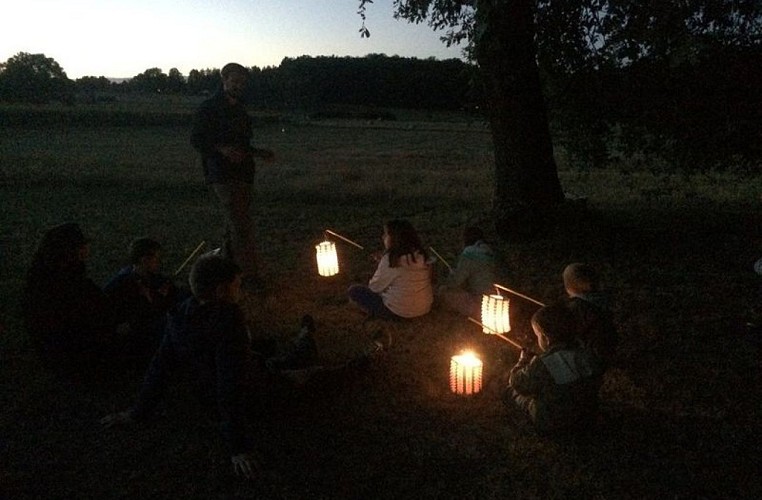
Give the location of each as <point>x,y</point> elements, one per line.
<point>245,464</point>
<point>525,355</point>
<point>233,154</point>
<point>264,154</point>
<point>121,418</point>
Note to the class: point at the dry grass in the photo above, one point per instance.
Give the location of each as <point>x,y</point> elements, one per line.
<point>681,406</point>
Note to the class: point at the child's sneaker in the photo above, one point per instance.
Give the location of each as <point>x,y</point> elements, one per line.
<point>301,353</point>
<point>382,342</point>
<point>307,325</point>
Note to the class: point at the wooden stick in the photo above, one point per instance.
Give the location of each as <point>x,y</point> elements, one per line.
<point>193,254</point>
<point>441,258</point>
<point>530,299</point>
<point>345,239</point>
<point>515,344</point>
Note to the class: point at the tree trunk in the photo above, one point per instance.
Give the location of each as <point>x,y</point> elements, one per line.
<point>527,188</point>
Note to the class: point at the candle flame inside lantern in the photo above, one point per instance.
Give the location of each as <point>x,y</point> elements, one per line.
<point>466,373</point>
<point>327,260</point>
<point>495,317</point>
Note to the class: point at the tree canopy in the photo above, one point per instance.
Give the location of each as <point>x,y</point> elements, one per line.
<point>32,78</point>
<point>679,78</point>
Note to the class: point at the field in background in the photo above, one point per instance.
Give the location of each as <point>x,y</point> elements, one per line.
<point>682,403</point>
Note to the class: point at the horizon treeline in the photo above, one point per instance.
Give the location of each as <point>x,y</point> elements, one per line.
<point>703,112</point>
<point>307,82</point>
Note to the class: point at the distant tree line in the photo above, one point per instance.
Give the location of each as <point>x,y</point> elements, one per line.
<point>304,83</point>
<point>701,111</point>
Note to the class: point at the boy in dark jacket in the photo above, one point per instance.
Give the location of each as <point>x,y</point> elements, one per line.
<point>141,295</point>
<point>558,388</point>
<point>206,334</point>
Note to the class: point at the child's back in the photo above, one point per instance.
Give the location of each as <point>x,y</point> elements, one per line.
<point>475,269</point>
<point>594,325</point>
<point>590,307</point>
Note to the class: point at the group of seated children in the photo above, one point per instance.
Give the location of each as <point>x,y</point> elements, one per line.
<point>208,334</point>
<point>77,326</point>
<point>402,285</point>
<point>71,318</point>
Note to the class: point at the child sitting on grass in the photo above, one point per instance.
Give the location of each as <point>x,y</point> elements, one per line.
<point>141,295</point>
<point>558,388</point>
<point>206,334</point>
<point>67,316</point>
<point>472,276</point>
<point>401,286</point>
<point>589,305</point>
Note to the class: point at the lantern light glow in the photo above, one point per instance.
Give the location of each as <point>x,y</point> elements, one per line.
<point>466,373</point>
<point>327,260</point>
<point>495,314</point>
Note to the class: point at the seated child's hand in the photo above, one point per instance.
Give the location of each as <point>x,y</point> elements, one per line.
<point>121,418</point>
<point>245,464</point>
<point>526,355</point>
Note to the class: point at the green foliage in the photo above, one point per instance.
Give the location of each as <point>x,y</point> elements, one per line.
<point>631,77</point>
<point>33,78</point>
<point>376,80</point>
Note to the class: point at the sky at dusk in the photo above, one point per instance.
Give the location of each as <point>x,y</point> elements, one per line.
<point>122,38</point>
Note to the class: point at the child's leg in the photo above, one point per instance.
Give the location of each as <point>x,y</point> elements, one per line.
<point>369,301</point>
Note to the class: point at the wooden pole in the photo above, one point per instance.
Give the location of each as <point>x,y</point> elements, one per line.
<point>515,344</point>
<point>345,239</point>
<point>193,254</point>
<point>441,258</point>
<point>530,299</point>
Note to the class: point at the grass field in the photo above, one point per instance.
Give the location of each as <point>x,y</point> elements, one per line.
<point>682,404</point>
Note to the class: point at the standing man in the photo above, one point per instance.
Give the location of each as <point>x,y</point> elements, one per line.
<point>222,133</point>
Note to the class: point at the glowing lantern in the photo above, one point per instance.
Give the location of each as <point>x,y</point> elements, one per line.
<point>466,373</point>
<point>327,260</point>
<point>495,318</point>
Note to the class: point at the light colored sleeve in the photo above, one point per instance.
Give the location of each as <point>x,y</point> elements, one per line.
<point>383,277</point>
<point>460,273</point>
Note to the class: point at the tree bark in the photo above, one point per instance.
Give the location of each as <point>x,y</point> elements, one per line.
<point>527,188</point>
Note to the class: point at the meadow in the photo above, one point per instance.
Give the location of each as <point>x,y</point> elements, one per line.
<point>681,405</point>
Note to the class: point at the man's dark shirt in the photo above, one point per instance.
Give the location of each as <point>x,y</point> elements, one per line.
<point>219,123</point>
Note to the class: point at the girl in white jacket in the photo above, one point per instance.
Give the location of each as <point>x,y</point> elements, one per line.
<point>401,286</point>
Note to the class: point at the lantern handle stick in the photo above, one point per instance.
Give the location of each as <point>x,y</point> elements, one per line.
<point>530,299</point>
<point>515,344</point>
<point>199,247</point>
<point>345,239</point>
<point>441,258</point>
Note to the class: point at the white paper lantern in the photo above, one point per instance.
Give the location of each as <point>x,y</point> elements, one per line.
<point>327,260</point>
<point>495,317</point>
<point>466,373</point>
